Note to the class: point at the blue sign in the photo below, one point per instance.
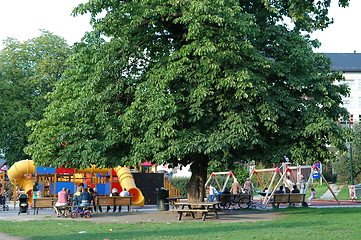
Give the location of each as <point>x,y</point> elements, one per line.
<point>315,173</point>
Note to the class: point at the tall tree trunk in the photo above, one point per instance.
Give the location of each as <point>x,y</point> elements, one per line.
<point>195,186</point>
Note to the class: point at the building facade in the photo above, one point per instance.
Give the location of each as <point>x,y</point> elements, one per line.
<point>350,65</point>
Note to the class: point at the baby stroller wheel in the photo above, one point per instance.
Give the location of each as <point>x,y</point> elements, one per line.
<point>74,215</point>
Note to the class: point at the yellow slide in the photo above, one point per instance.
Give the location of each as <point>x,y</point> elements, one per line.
<point>18,175</point>
<point>126,180</point>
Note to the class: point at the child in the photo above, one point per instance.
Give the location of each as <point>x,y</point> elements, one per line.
<point>312,196</point>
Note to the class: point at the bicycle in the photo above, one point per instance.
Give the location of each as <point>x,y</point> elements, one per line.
<point>82,211</point>
<point>228,200</point>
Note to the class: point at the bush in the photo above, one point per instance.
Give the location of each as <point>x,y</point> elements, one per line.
<point>180,183</point>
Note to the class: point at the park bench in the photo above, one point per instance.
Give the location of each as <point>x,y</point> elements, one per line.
<point>114,201</point>
<point>46,202</point>
<point>289,198</point>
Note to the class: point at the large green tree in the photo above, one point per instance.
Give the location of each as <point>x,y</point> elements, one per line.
<point>194,82</point>
<point>28,70</point>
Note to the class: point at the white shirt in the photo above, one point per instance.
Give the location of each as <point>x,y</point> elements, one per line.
<point>124,194</point>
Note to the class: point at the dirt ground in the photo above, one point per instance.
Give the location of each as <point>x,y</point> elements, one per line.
<point>149,214</point>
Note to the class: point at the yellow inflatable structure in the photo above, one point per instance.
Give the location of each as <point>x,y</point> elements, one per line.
<point>20,175</point>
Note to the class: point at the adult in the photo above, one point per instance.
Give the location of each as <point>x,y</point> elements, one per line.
<point>295,189</point>
<point>280,190</point>
<point>303,184</point>
<point>288,182</point>
<point>94,195</point>
<point>248,186</point>
<point>62,201</point>
<point>114,194</point>
<point>236,187</point>
<point>85,198</point>
<point>124,193</point>
<point>226,191</point>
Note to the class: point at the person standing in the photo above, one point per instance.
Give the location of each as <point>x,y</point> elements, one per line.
<point>248,186</point>
<point>303,183</point>
<point>236,187</point>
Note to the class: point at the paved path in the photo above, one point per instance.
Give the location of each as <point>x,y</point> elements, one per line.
<point>328,195</point>
<point>8,237</point>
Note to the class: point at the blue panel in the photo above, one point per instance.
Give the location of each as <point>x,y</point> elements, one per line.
<point>52,188</point>
<point>103,188</point>
<point>45,170</point>
<point>67,185</point>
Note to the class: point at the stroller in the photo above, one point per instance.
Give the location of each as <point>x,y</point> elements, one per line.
<point>3,203</point>
<point>23,203</point>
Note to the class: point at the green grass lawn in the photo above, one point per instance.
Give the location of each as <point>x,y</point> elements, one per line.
<point>344,194</point>
<point>299,223</point>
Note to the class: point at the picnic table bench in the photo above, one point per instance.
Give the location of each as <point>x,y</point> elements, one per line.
<point>198,207</point>
<point>114,201</point>
<point>46,202</point>
<point>287,198</point>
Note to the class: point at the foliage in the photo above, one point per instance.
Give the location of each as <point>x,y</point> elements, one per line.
<point>28,71</point>
<point>241,173</point>
<point>180,183</point>
<point>194,82</point>
<point>342,165</point>
<point>300,223</point>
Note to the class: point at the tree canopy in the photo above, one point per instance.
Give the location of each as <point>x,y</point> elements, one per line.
<point>194,82</point>
<point>28,71</point>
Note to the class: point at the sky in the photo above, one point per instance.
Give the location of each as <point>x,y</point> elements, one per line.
<point>22,20</point>
<point>344,35</point>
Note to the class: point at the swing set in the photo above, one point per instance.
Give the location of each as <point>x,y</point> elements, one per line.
<point>287,175</point>
<point>214,175</point>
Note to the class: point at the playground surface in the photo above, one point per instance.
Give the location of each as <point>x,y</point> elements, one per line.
<point>150,213</point>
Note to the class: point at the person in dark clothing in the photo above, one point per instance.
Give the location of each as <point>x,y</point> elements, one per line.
<point>94,195</point>
<point>280,190</point>
<point>114,193</point>
<point>85,198</point>
<point>295,189</point>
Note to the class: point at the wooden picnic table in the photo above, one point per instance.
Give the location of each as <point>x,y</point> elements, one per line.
<point>173,200</point>
<point>196,207</point>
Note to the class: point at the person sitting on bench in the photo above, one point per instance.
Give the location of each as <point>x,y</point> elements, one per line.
<point>85,198</point>
<point>62,201</point>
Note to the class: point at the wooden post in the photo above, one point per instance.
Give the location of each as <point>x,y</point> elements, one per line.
<point>329,188</point>
<point>277,185</point>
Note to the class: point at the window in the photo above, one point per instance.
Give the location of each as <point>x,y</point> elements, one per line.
<point>346,102</point>
<point>349,83</point>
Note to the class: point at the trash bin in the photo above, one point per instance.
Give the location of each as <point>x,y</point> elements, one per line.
<point>162,201</point>
<point>355,191</point>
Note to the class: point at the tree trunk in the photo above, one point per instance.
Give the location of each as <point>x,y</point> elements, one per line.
<point>195,186</point>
